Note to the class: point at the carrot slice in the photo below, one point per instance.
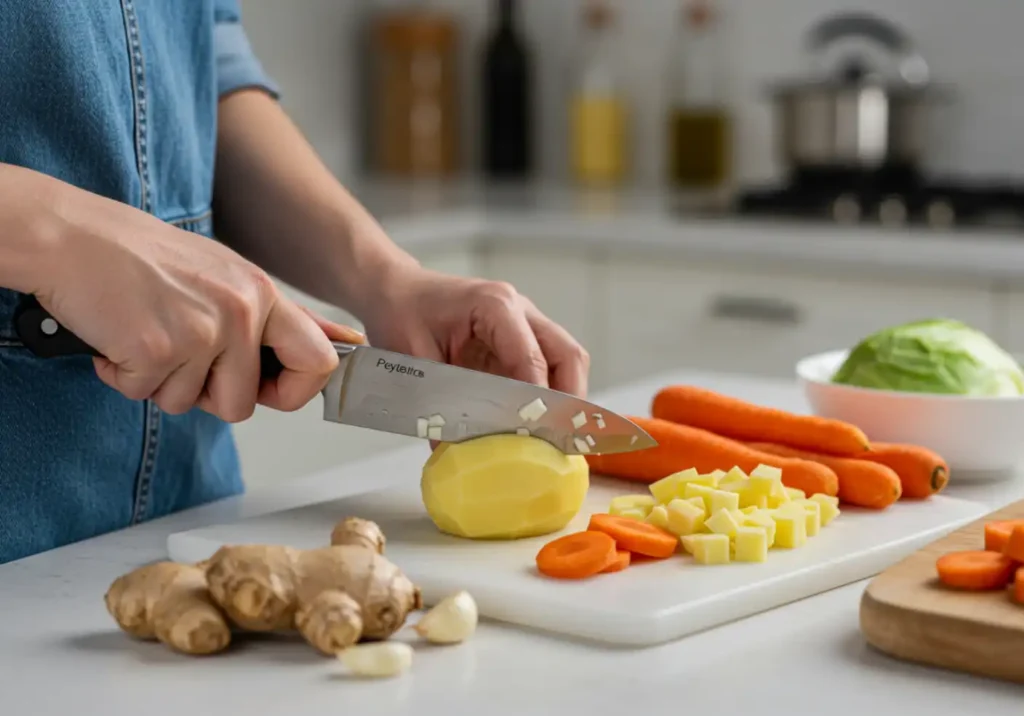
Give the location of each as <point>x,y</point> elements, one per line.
<point>620,563</point>
<point>1018,586</point>
<point>922,472</point>
<point>861,483</point>
<point>1014,548</point>
<point>681,447</point>
<point>975,570</point>
<point>636,536</point>
<point>740,420</point>
<point>997,534</point>
<point>577,555</point>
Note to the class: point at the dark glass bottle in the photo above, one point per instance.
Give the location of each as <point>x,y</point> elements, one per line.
<point>506,122</point>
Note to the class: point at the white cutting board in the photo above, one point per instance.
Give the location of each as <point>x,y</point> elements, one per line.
<point>649,603</point>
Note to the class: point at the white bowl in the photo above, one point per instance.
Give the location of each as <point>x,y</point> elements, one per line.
<point>979,435</point>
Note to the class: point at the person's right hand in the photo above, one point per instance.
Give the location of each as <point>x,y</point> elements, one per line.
<point>179,317</point>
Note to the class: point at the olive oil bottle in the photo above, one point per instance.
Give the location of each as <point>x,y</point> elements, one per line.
<point>699,123</point>
<point>597,115</point>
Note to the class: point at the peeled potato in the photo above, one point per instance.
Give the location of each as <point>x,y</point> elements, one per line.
<point>503,487</point>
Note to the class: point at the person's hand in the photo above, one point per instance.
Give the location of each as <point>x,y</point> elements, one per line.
<point>479,324</point>
<point>179,318</point>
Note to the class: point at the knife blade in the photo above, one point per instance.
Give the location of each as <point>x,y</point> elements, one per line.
<point>396,393</point>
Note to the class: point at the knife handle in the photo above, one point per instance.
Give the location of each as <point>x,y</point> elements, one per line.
<point>47,338</point>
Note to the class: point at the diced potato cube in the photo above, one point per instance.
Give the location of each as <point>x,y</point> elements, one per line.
<point>795,494</point>
<point>633,514</point>
<point>749,510</point>
<point>751,544</point>
<point>828,505</point>
<point>722,522</point>
<point>736,486</point>
<point>703,491</point>
<point>813,510</point>
<point>658,516</point>
<point>764,521</point>
<point>673,486</point>
<point>751,497</point>
<point>684,517</point>
<point>665,489</point>
<point>710,549</point>
<point>790,529</point>
<point>699,502</point>
<point>722,500</point>
<point>779,496</point>
<point>734,474</point>
<point>709,479</point>
<point>687,542</point>
<point>764,479</point>
<point>767,471</point>
<point>644,503</point>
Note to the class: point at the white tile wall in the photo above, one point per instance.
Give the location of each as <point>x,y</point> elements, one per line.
<point>976,47</point>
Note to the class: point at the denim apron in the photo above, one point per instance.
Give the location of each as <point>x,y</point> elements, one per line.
<point>118,97</point>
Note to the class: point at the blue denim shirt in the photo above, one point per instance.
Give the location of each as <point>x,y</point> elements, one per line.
<point>118,97</point>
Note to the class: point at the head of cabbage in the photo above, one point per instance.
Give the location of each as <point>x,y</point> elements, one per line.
<point>932,356</point>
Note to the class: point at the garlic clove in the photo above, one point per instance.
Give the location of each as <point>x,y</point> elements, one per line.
<point>451,621</point>
<point>377,660</point>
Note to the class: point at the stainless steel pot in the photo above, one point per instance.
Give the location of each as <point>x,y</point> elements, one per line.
<point>854,115</point>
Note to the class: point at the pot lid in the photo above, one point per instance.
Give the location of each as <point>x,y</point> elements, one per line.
<point>905,71</point>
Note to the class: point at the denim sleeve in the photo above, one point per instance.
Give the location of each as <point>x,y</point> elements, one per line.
<point>237,64</point>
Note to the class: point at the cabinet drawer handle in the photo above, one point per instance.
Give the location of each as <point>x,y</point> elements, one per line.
<point>751,308</point>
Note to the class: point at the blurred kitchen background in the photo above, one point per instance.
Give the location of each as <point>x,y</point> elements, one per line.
<point>322,51</point>
<point>684,184</point>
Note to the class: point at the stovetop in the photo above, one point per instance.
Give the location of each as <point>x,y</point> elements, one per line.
<point>893,196</point>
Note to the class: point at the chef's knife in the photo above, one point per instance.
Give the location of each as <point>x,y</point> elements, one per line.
<point>396,393</point>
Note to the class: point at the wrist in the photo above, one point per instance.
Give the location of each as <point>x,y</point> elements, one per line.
<point>31,229</point>
<point>375,270</point>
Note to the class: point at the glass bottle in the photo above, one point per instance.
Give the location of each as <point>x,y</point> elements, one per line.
<point>598,121</point>
<point>700,153</point>
<point>506,99</point>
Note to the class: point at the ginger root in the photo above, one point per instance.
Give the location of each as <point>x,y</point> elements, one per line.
<point>169,602</point>
<point>358,532</point>
<point>335,596</point>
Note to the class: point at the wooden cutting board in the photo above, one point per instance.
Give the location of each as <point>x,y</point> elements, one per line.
<point>907,614</point>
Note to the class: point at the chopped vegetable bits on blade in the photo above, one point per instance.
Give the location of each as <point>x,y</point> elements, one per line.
<point>533,411</point>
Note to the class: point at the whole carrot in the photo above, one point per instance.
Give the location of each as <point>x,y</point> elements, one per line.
<point>740,420</point>
<point>681,447</point>
<point>922,472</point>
<point>861,483</point>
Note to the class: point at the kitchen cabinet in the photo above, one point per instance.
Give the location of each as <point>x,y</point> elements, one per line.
<point>1010,312</point>
<point>756,320</point>
<point>563,284</point>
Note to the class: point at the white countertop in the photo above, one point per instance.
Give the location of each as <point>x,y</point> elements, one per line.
<point>638,222</point>
<point>60,653</point>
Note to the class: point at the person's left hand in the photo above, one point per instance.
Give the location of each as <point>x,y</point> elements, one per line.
<point>478,324</point>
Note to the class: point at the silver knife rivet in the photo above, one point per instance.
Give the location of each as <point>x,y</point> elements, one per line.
<point>49,326</point>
